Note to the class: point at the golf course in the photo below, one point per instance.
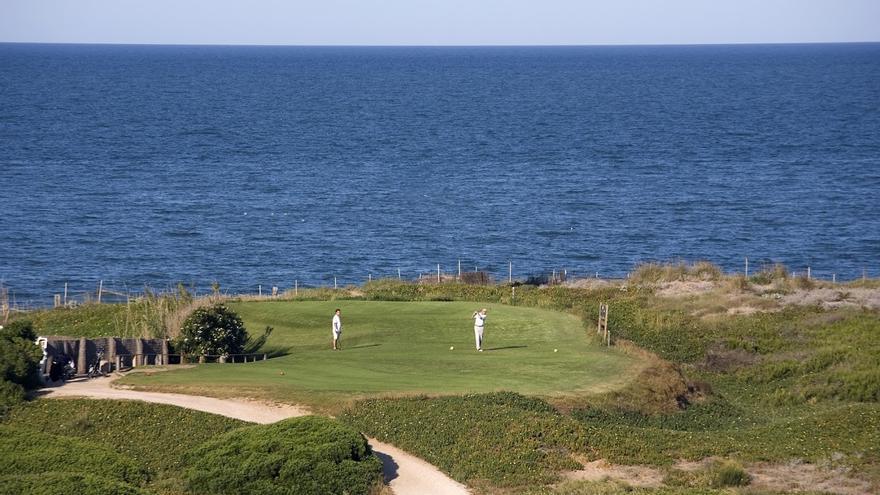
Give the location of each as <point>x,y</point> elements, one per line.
<point>405,348</point>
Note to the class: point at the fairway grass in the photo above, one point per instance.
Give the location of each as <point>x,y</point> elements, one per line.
<point>403,348</point>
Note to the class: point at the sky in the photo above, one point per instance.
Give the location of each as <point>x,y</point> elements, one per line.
<point>439,22</point>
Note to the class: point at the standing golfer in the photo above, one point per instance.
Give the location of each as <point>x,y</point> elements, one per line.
<point>337,329</point>
<point>479,324</point>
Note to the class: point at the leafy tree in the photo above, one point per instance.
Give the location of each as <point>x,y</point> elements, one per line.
<point>19,362</point>
<point>215,330</point>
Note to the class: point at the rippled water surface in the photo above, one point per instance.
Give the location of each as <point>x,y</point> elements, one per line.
<point>265,165</point>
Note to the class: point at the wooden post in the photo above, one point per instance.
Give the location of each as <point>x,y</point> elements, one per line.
<point>57,301</point>
<point>510,272</point>
<point>65,294</point>
<point>438,273</point>
<point>833,278</point>
<point>809,274</point>
<point>260,290</point>
<point>111,350</point>
<point>370,277</point>
<point>747,266</point>
<point>138,353</point>
<point>602,327</point>
<point>118,362</point>
<point>165,351</point>
<point>296,287</point>
<point>100,290</point>
<point>81,362</point>
<point>274,291</point>
<point>334,282</point>
<point>265,357</point>
<point>398,274</point>
<point>459,270</point>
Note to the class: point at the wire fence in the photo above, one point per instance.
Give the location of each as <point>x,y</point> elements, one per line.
<point>120,291</point>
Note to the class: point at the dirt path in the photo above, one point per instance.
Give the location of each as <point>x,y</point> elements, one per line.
<point>404,473</point>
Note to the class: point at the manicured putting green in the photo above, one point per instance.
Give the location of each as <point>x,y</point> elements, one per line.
<point>404,348</point>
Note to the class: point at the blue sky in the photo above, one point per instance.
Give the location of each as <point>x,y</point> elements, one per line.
<point>439,22</point>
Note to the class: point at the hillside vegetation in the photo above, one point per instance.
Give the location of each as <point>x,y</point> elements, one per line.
<point>129,447</point>
<point>772,369</point>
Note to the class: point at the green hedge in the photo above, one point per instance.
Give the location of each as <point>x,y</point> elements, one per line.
<point>55,483</point>
<point>30,452</point>
<point>302,456</point>
<point>155,435</point>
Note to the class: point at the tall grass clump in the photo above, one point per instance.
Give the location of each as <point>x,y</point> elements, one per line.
<point>718,474</point>
<point>770,274</point>
<point>655,273</point>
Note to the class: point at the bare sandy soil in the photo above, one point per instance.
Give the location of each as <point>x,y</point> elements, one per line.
<point>405,474</point>
<point>790,477</point>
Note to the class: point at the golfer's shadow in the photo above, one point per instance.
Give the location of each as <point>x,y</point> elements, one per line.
<point>389,467</point>
<point>505,347</point>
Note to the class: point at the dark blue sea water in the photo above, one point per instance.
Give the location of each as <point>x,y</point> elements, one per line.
<point>265,165</point>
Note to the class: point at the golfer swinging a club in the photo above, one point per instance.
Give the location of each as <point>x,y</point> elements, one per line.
<point>479,323</point>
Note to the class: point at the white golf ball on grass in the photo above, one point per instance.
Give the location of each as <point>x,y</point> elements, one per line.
<point>451,348</point>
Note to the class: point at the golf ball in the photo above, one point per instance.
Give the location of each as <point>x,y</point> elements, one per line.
<point>451,348</point>
<point>555,350</point>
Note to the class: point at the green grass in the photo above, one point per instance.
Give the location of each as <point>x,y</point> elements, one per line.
<point>395,348</point>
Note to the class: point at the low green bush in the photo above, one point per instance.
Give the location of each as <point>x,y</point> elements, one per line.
<point>27,452</point>
<point>307,455</point>
<point>11,394</point>
<point>155,435</point>
<point>53,483</point>
<point>503,438</point>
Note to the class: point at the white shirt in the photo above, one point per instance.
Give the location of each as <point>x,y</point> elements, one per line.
<point>479,319</point>
<point>337,324</point>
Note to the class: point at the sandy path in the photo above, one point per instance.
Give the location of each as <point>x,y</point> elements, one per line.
<point>404,473</point>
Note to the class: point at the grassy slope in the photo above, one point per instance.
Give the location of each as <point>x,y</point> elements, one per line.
<point>403,348</point>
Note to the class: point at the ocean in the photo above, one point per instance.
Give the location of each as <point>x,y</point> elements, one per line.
<point>273,166</point>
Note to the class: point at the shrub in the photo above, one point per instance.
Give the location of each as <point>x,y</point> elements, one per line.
<point>10,395</point>
<point>19,363</point>
<point>25,451</point>
<point>155,435</point>
<point>704,270</point>
<point>214,330</point>
<point>53,483</point>
<point>307,455</point>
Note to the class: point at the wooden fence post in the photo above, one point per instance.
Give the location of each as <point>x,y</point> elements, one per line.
<point>81,362</point>
<point>138,353</point>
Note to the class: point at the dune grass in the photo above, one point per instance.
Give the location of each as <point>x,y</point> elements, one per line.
<point>396,348</point>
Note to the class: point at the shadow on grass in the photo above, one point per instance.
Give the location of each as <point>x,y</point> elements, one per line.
<point>363,346</point>
<point>389,467</point>
<point>505,347</point>
<point>276,352</point>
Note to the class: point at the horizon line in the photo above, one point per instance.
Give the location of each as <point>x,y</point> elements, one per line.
<point>445,45</point>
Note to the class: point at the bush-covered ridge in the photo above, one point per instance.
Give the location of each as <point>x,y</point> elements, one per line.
<point>135,447</point>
